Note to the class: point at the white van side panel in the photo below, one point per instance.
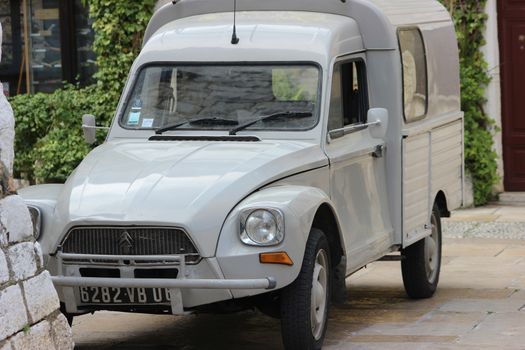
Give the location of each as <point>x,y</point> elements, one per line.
<point>447,163</point>
<point>439,135</point>
<point>432,162</point>
<point>416,186</point>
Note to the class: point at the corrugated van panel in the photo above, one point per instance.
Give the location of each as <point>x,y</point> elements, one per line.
<point>447,162</point>
<point>416,182</point>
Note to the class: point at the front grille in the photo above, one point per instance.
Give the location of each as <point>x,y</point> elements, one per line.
<point>128,241</point>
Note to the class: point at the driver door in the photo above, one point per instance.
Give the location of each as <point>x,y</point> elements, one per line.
<point>357,167</point>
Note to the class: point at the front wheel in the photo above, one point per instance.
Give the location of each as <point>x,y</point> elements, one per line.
<point>305,303</point>
<point>422,262</point>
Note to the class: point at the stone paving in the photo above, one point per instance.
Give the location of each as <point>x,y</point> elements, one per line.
<point>480,304</point>
<point>492,221</point>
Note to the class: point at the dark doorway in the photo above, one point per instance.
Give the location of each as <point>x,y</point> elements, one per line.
<point>60,37</point>
<point>11,46</point>
<point>512,47</point>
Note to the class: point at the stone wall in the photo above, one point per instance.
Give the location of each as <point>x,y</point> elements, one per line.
<point>29,307</point>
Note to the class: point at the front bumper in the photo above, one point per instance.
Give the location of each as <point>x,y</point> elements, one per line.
<point>174,286</point>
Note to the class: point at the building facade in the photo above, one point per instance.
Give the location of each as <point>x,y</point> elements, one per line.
<point>59,41</point>
<point>505,54</point>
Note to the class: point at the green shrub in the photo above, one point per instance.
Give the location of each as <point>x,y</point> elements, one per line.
<point>32,123</point>
<point>119,28</point>
<point>49,141</point>
<point>480,159</point>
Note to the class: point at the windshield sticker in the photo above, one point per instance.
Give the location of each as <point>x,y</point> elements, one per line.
<point>147,122</point>
<point>134,117</point>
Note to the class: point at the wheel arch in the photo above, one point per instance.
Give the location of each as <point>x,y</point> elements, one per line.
<point>325,220</point>
<point>440,200</point>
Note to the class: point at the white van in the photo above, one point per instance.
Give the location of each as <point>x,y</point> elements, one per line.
<point>261,165</point>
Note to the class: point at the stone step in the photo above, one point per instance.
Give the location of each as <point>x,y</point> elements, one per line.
<point>512,198</point>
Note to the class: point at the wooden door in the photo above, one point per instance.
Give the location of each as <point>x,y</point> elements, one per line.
<point>512,47</point>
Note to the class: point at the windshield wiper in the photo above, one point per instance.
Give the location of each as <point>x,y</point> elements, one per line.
<point>293,115</point>
<point>200,121</point>
<point>162,130</point>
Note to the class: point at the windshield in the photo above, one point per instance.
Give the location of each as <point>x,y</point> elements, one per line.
<point>220,97</point>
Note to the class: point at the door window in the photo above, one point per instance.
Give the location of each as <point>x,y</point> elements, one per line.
<point>349,98</point>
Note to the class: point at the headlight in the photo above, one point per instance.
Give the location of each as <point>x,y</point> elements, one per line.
<point>262,227</point>
<point>37,221</point>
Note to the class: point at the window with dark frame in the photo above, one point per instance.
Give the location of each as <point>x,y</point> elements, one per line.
<point>60,35</point>
<point>10,18</point>
<point>415,76</point>
<point>349,98</point>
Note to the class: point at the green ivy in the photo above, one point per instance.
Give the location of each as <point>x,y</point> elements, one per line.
<point>119,28</point>
<point>49,142</point>
<point>480,159</point>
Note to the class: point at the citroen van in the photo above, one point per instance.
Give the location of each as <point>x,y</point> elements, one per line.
<point>258,157</point>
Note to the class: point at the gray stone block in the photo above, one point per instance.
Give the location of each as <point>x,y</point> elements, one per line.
<point>37,338</point>
<point>62,333</point>
<point>6,346</point>
<point>41,296</point>
<point>13,316</point>
<point>4,270</point>
<point>22,258</point>
<point>15,218</point>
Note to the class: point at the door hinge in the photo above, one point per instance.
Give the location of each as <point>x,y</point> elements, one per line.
<point>378,153</point>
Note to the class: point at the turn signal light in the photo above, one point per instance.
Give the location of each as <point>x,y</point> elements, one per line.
<point>281,258</point>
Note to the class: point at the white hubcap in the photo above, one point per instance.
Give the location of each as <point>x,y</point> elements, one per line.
<point>432,251</point>
<point>318,298</point>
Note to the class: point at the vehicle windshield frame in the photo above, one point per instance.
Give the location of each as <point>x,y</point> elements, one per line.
<point>137,74</point>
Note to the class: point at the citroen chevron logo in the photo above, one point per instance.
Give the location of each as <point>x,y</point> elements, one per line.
<point>125,243</point>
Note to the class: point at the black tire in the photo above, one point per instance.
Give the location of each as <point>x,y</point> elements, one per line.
<point>270,305</point>
<point>296,316</point>
<point>421,263</point>
<point>339,292</point>
<point>69,317</point>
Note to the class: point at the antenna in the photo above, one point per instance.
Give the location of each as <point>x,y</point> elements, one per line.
<point>235,38</point>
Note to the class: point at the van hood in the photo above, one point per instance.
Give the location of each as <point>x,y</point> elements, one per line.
<point>189,184</point>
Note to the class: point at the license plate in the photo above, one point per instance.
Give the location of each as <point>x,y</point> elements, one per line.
<point>108,295</point>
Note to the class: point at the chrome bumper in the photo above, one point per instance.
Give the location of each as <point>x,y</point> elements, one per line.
<point>173,285</point>
<point>262,283</point>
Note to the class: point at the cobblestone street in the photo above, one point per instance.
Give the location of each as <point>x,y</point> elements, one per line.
<point>480,304</point>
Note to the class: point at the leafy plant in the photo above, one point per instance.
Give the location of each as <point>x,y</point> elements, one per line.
<point>119,28</point>
<point>480,159</point>
<point>49,141</point>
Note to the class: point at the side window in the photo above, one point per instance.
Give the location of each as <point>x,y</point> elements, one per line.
<point>349,98</point>
<point>415,79</point>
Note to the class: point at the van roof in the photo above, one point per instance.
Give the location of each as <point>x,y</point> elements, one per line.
<point>276,36</point>
<point>377,19</point>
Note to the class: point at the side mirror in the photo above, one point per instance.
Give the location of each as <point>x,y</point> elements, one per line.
<point>378,118</point>
<point>89,128</point>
